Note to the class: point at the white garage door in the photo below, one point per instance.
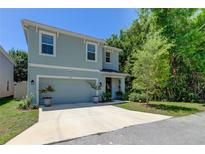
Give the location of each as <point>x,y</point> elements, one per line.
<point>68,90</point>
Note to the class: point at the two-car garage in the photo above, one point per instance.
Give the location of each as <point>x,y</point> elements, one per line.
<point>67,89</point>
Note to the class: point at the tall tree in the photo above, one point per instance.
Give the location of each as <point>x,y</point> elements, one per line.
<point>182,26</point>
<point>131,38</point>
<point>21,63</point>
<point>151,66</point>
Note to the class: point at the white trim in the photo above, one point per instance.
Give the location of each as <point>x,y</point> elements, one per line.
<point>40,43</point>
<point>96,50</point>
<point>62,67</point>
<point>28,72</point>
<point>75,69</point>
<point>108,63</point>
<point>112,48</point>
<point>59,77</point>
<point>113,74</point>
<point>37,89</point>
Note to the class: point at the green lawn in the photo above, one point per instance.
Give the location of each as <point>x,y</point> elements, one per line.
<point>165,108</point>
<point>14,121</point>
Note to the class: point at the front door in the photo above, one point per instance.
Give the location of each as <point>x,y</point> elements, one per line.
<point>109,85</point>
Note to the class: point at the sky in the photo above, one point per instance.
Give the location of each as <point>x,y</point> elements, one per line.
<point>100,23</point>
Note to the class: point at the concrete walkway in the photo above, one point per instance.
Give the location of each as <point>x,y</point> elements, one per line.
<point>57,124</point>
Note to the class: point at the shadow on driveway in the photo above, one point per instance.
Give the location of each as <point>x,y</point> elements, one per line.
<point>79,105</point>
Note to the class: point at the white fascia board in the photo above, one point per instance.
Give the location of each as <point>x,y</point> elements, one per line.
<point>62,67</point>
<point>112,48</point>
<point>112,74</point>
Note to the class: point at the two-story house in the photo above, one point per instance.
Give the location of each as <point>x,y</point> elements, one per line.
<point>67,61</point>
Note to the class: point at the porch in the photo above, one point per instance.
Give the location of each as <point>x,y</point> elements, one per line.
<point>114,83</point>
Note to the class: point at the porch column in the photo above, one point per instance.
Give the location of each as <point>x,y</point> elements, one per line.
<point>122,84</point>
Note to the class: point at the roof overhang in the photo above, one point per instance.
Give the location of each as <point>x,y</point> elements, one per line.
<point>6,54</point>
<point>112,48</point>
<point>26,23</point>
<point>115,74</point>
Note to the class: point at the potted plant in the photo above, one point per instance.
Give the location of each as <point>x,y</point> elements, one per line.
<point>106,97</point>
<point>47,99</point>
<point>96,98</point>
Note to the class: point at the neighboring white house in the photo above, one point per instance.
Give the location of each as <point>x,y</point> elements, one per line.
<point>6,74</point>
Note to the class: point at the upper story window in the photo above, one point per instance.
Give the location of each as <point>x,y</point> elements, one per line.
<point>107,57</point>
<point>47,43</point>
<point>91,51</point>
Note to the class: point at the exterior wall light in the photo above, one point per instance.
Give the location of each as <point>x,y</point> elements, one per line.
<point>32,82</point>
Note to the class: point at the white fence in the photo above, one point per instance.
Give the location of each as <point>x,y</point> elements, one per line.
<point>20,89</point>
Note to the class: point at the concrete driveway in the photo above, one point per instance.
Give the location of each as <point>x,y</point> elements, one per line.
<point>64,123</point>
<point>187,130</point>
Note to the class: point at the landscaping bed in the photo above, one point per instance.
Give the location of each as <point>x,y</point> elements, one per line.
<point>14,121</point>
<point>165,108</point>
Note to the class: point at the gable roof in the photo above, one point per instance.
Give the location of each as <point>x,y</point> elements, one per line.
<point>6,54</point>
<point>26,23</point>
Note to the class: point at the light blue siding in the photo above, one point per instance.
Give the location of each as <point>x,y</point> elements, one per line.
<point>114,61</point>
<point>34,71</point>
<point>70,52</point>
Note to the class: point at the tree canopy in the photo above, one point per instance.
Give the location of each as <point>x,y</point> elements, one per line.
<point>21,63</point>
<point>164,51</point>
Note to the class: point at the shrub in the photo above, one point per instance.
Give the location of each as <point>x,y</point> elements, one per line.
<point>125,96</point>
<point>136,97</point>
<point>106,96</point>
<point>23,106</point>
<point>34,107</point>
<point>26,104</point>
<point>119,93</point>
<point>28,100</point>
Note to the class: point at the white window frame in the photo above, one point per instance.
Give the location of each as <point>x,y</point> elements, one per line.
<point>106,57</point>
<point>40,43</point>
<point>95,44</point>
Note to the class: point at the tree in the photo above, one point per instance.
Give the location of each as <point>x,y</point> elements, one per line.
<point>183,27</point>
<point>185,30</point>
<point>21,63</point>
<point>131,38</point>
<point>151,66</point>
